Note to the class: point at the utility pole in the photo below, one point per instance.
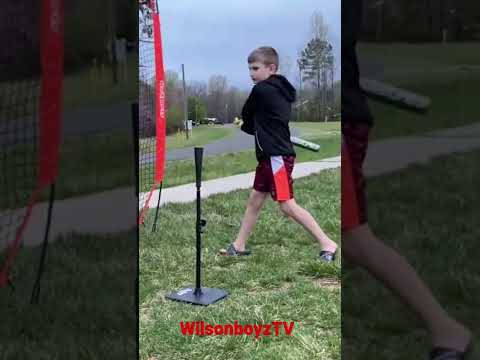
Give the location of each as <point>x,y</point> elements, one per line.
<point>185,101</point>
<point>379,5</point>
<point>300,90</point>
<point>112,37</point>
<point>196,112</point>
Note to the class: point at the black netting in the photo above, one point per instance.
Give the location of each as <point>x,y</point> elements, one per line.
<point>19,108</point>
<point>146,117</point>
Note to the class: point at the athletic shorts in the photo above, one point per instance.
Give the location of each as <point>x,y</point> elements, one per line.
<point>354,150</point>
<point>274,176</point>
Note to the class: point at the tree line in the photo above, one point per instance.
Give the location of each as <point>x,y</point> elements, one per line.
<point>84,40</point>
<point>314,77</point>
<point>421,20</point>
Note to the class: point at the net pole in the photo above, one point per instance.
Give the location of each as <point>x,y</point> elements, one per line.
<point>135,129</point>
<point>185,101</point>
<point>41,266</point>
<point>154,227</point>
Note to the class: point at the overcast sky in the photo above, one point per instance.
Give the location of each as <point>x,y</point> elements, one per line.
<point>215,36</point>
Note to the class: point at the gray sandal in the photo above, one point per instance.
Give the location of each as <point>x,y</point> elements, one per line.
<point>440,353</point>
<point>231,251</point>
<point>327,256</point>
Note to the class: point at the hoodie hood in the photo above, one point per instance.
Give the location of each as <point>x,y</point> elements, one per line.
<point>281,83</point>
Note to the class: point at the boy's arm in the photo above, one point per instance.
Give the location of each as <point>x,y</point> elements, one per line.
<point>247,115</point>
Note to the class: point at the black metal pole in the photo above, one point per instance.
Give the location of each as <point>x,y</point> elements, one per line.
<point>198,295</point>
<point>198,168</point>
<point>41,266</point>
<point>154,226</point>
<point>136,162</point>
<point>136,136</point>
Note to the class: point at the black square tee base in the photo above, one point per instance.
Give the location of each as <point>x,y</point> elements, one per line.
<point>205,297</point>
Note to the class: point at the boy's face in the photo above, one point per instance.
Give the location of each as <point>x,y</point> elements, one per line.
<point>259,71</point>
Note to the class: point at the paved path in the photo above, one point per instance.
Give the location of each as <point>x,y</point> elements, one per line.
<point>240,141</point>
<point>187,193</point>
<point>394,154</point>
<point>106,212</point>
<point>100,213</point>
<point>98,119</point>
<point>101,119</point>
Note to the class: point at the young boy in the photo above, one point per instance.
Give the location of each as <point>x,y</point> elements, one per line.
<point>450,339</point>
<point>266,114</point>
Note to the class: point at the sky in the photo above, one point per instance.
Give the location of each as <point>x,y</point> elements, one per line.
<point>214,37</point>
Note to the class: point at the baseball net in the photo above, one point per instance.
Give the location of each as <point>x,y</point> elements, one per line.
<point>152,117</point>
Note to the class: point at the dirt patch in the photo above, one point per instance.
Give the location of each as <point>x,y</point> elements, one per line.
<point>327,283</point>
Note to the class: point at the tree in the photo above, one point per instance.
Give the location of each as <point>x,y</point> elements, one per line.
<point>286,64</point>
<point>197,110</point>
<point>174,97</point>
<point>318,26</point>
<point>173,88</point>
<point>197,89</point>
<point>317,65</point>
<point>217,88</point>
<point>235,101</point>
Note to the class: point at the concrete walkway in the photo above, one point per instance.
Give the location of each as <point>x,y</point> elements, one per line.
<point>394,154</point>
<point>112,211</point>
<point>100,213</point>
<point>83,121</point>
<point>240,141</point>
<point>187,193</point>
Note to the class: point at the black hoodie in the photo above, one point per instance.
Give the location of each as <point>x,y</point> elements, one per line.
<point>354,103</point>
<point>266,114</point>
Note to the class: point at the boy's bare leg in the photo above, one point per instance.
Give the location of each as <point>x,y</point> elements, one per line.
<point>304,218</point>
<point>254,205</point>
<point>384,263</point>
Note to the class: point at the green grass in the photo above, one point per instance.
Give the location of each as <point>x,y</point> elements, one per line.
<point>431,221</point>
<point>94,86</point>
<point>94,164</point>
<point>275,283</point>
<point>317,130</point>
<point>183,171</point>
<point>87,165</point>
<point>91,86</point>
<point>200,135</point>
<point>87,301</point>
<point>434,70</point>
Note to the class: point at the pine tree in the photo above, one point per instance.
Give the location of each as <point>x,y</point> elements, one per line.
<point>317,62</point>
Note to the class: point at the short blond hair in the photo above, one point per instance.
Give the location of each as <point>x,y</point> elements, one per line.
<point>267,55</point>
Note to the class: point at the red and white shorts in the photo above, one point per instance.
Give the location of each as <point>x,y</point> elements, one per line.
<point>274,176</point>
<point>354,150</point>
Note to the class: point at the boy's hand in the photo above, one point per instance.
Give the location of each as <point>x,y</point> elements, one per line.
<point>238,122</point>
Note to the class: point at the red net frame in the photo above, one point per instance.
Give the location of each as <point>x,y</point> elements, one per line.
<point>34,131</point>
<point>152,105</point>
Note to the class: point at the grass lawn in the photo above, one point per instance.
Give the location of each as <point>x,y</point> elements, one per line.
<point>183,171</point>
<point>87,301</point>
<point>98,163</point>
<point>94,86</point>
<point>91,86</point>
<point>317,130</point>
<point>442,246</point>
<point>448,74</point>
<point>201,135</point>
<point>87,165</point>
<point>281,281</point>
